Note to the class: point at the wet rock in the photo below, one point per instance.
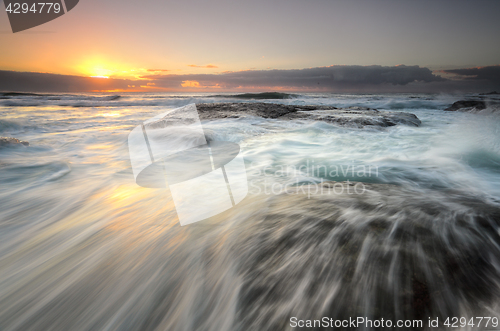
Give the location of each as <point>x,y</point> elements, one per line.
<point>467,105</point>
<point>359,118</point>
<point>352,116</point>
<point>265,110</point>
<point>7,141</point>
<point>343,249</point>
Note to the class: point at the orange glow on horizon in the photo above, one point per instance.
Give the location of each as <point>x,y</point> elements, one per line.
<point>99,67</point>
<point>190,83</point>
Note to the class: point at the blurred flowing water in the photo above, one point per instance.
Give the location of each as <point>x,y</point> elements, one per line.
<point>84,248</point>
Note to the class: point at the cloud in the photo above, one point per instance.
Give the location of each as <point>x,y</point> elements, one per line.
<point>368,79</point>
<point>322,77</point>
<point>490,73</point>
<point>190,83</point>
<point>158,70</point>
<point>43,82</point>
<point>208,66</point>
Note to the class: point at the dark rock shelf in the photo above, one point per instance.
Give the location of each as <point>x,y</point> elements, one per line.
<point>352,116</point>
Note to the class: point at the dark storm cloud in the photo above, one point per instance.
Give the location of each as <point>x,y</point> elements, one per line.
<point>368,79</point>
<point>42,82</point>
<point>491,73</point>
<point>332,77</point>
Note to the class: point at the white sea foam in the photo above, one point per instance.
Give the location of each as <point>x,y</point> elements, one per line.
<point>82,247</point>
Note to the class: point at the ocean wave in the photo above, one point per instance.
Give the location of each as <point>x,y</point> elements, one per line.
<point>6,125</point>
<point>263,95</point>
<point>84,248</point>
<point>391,102</point>
<point>33,174</point>
<point>388,253</point>
<point>22,94</point>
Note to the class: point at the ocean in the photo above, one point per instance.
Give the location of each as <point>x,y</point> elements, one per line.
<point>83,247</point>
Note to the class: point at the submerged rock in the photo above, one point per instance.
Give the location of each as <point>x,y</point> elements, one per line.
<point>353,116</point>
<point>376,250</point>
<point>467,105</point>
<point>7,141</point>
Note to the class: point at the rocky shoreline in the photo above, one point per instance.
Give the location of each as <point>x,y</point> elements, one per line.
<point>352,116</point>
<point>474,105</point>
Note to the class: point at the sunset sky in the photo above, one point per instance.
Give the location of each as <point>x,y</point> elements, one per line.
<point>194,44</point>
